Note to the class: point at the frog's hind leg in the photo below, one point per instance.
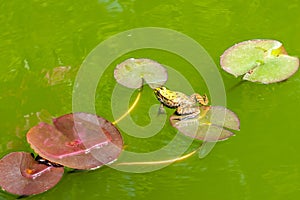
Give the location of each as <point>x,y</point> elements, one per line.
<point>179,116</point>
<point>203,100</point>
<point>204,110</point>
<point>183,117</point>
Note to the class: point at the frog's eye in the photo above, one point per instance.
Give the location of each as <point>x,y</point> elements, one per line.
<point>157,89</point>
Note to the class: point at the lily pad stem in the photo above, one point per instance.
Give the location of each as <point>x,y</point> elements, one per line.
<point>161,161</point>
<point>131,107</point>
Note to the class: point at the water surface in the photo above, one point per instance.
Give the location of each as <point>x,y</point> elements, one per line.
<point>261,162</point>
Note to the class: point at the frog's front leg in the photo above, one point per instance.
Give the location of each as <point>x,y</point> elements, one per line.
<point>161,109</point>
<point>203,100</point>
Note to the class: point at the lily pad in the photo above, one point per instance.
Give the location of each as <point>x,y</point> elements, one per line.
<point>20,174</point>
<point>133,72</point>
<point>212,124</point>
<point>261,60</point>
<point>275,69</point>
<point>79,140</point>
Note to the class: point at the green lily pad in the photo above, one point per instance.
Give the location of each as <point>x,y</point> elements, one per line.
<point>212,124</point>
<point>274,69</point>
<point>133,72</point>
<point>264,61</point>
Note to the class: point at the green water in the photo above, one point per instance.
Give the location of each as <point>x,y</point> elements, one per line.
<point>261,162</point>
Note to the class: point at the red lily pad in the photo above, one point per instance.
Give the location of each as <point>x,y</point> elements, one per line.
<point>79,140</point>
<point>133,72</point>
<point>22,175</point>
<point>212,124</point>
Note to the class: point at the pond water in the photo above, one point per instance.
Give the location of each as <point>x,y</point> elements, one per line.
<point>43,44</point>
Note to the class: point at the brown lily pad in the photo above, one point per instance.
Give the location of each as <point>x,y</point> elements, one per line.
<point>22,175</point>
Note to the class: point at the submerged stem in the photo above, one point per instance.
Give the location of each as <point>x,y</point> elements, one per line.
<point>131,107</point>
<point>161,161</point>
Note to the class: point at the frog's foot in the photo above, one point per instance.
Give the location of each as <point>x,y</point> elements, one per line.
<point>161,110</point>
<point>203,100</point>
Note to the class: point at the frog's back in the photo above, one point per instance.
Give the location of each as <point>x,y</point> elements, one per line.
<point>178,99</point>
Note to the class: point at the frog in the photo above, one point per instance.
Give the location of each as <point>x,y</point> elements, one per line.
<point>186,106</point>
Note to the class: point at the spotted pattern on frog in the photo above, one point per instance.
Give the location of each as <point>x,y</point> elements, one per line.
<point>186,106</point>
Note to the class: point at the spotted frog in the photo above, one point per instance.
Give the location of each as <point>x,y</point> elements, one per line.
<point>186,106</point>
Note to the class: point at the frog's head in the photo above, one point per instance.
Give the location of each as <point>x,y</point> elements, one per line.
<point>163,94</point>
<point>161,91</point>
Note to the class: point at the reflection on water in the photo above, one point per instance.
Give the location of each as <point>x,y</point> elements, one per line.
<point>284,180</point>
<point>58,75</point>
<point>112,6</point>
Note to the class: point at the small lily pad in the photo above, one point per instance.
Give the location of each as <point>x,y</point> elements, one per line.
<point>79,140</point>
<point>133,72</point>
<point>222,117</point>
<point>264,61</point>
<point>20,174</point>
<point>212,124</point>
